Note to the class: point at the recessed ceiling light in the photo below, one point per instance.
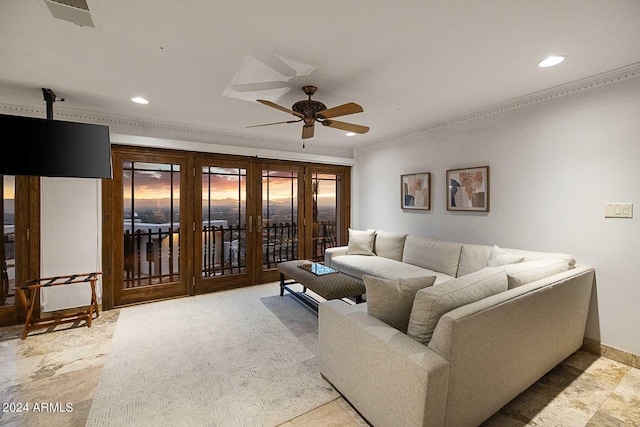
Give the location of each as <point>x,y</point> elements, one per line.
<point>350,133</point>
<point>551,61</point>
<point>139,100</point>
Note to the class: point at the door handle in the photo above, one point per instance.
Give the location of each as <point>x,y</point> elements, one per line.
<point>259,226</point>
<point>250,224</point>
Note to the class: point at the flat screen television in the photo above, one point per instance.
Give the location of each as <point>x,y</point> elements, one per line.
<point>54,148</point>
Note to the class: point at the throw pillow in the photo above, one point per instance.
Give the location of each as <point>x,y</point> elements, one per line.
<point>431,303</point>
<point>389,245</point>
<point>361,242</point>
<point>390,300</point>
<point>530,271</point>
<point>499,256</point>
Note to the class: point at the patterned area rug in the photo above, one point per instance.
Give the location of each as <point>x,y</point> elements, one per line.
<point>245,357</point>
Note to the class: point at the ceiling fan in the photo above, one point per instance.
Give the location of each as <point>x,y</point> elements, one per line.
<point>310,111</point>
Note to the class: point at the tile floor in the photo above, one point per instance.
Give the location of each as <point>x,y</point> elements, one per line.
<point>64,366</point>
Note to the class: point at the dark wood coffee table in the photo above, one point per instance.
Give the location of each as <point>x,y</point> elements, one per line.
<point>324,281</point>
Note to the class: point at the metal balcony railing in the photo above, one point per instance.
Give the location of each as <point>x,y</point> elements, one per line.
<point>152,254</point>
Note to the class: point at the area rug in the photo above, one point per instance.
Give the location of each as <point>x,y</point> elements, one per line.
<point>244,357</point>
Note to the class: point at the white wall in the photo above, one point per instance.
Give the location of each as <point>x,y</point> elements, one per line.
<point>553,166</point>
<point>71,238</point>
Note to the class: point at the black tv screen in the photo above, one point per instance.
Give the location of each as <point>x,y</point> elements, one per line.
<point>54,148</point>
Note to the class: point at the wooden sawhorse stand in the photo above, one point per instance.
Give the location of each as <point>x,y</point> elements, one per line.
<point>28,295</point>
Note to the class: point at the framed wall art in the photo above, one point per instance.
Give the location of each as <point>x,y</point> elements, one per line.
<point>415,191</point>
<point>468,189</point>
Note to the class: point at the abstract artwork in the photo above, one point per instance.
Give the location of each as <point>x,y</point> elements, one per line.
<point>468,189</point>
<point>415,191</point>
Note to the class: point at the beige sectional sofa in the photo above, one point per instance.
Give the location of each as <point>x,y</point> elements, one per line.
<point>493,323</point>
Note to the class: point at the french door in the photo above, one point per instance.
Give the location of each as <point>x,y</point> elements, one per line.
<point>247,218</point>
<point>184,223</point>
<point>280,217</point>
<point>20,248</point>
<point>149,218</point>
<point>223,224</point>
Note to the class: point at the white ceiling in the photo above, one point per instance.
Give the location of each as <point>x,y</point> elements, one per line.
<point>408,63</point>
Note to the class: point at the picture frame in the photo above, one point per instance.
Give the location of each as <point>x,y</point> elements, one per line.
<point>468,189</point>
<point>415,191</point>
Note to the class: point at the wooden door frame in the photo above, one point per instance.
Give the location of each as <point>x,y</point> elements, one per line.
<point>113,263</point>
<point>232,281</point>
<point>265,276</point>
<point>27,243</point>
<point>344,215</point>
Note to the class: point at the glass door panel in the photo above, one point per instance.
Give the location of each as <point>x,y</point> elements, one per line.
<point>279,218</point>
<point>19,255</point>
<point>152,231</point>
<point>222,239</point>
<point>224,225</point>
<point>8,247</point>
<point>326,206</point>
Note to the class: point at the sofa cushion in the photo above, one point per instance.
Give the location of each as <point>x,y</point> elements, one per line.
<point>361,242</point>
<point>534,256</point>
<point>437,255</point>
<point>527,272</point>
<point>359,265</point>
<point>389,245</point>
<point>474,257</point>
<point>391,300</point>
<point>431,303</point>
<point>499,256</point>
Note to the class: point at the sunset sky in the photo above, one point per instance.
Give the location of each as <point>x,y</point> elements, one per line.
<point>157,185</point>
<point>9,187</point>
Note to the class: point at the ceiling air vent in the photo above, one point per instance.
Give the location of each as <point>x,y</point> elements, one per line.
<point>76,11</point>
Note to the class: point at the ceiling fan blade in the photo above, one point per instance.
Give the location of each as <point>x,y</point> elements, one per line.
<point>340,110</point>
<point>257,87</point>
<point>276,123</point>
<point>278,107</point>
<point>350,127</point>
<point>307,131</point>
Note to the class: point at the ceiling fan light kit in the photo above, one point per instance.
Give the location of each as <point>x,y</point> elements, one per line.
<point>311,111</point>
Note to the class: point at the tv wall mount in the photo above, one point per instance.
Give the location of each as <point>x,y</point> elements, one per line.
<point>50,97</point>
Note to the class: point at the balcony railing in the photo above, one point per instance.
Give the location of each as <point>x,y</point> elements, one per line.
<point>152,253</point>
<point>223,250</point>
<point>279,243</point>
<point>8,274</point>
<point>151,256</point>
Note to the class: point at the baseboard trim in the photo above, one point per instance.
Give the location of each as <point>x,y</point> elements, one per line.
<point>612,353</point>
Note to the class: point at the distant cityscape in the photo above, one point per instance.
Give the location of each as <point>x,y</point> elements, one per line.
<point>232,214</point>
<point>9,218</point>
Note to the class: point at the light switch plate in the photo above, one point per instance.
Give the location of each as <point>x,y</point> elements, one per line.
<point>618,210</point>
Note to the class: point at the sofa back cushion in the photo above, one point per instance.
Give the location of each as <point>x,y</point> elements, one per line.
<point>475,257</point>
<point>391,300</point>
<point>437,255</point>
<point>389,245</point>
<point>431,303</point>
<point>499,256</point>
<point>530,271</point>
<point>361,242</point>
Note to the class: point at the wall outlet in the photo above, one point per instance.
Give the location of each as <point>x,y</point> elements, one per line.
<point>618,210</point>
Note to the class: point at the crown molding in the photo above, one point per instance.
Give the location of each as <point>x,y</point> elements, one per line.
<point>207,147</point>
<point>598,80</point>
<point>168,131</point>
